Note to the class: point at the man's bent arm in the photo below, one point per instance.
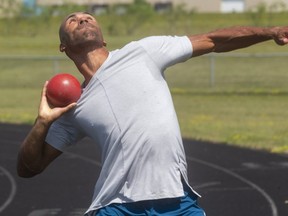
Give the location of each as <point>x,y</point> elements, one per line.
<point>225,40</point>
<point>35,154</point>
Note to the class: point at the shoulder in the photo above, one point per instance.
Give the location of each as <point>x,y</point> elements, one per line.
<point>158,41</point>
<point>163,39</point>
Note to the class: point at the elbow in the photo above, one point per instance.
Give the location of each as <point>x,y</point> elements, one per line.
<point>24,171</point>
<point>25,175</point>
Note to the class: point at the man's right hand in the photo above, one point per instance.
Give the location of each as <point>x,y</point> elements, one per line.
<point>47,113</point>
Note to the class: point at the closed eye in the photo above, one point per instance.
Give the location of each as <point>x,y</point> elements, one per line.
<point>90,18</point>
<point>71,20</point>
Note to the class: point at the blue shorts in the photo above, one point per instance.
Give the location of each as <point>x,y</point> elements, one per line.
<point>183,206</point>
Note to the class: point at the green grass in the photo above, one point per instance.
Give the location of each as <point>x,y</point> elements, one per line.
<point>254,121</point>
<point>246,105</point>
<point>19,105</point>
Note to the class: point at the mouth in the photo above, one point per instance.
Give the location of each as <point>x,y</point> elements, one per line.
<point>85,25</point>
<point>89,34</point>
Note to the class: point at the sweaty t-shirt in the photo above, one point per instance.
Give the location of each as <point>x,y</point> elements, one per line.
<point>127,109</point>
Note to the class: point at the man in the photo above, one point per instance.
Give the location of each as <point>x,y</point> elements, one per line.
<point>126,108</point>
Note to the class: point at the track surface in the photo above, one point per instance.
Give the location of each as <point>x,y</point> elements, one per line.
<point>232,181</point>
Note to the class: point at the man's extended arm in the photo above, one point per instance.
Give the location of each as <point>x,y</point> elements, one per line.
<point>228,39</point>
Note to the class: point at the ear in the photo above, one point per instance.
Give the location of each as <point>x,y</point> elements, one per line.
<point>104,43</point>
<point>62,47</point>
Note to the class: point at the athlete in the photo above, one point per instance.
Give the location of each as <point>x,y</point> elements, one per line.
<point>127,109</point>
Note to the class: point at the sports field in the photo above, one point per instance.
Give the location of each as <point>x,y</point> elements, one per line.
<point>244,102</point>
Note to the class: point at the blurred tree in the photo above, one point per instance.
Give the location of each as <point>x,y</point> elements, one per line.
<point>126,19</point>
<point>137,14</point>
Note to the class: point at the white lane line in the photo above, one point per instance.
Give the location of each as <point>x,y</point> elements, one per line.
<point>73,155</point>
<point>13,189</point>
<point>57,211</point>
<point>253,185</point>
<point>248,188</point>
<point>45,212</point>
<point>205,185</point>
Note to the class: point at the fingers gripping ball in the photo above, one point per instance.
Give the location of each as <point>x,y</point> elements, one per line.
<point>63,89</point>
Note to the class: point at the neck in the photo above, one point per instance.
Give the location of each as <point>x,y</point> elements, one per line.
<point>89,62</point>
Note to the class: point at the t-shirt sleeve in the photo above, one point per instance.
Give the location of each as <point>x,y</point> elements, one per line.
<point>63,134</point>
<point>167,50</point>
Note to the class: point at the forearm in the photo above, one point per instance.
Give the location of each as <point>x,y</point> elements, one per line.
<point>225,40</point>
<point>31,153</point>
<point>239,37</point>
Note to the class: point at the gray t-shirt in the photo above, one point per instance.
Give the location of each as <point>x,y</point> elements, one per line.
<point>127,109</point>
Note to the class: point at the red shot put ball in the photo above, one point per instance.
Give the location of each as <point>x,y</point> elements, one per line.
<point>63,89</point>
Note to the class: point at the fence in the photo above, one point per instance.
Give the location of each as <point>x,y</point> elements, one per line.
<point>233,72</point>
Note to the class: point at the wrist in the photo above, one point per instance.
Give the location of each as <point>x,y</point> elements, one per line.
<point>43,122</point>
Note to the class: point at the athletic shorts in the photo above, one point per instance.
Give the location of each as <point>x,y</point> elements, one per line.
<point>183,206</point>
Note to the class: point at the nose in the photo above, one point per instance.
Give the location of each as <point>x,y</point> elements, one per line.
<point>83,20</point>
